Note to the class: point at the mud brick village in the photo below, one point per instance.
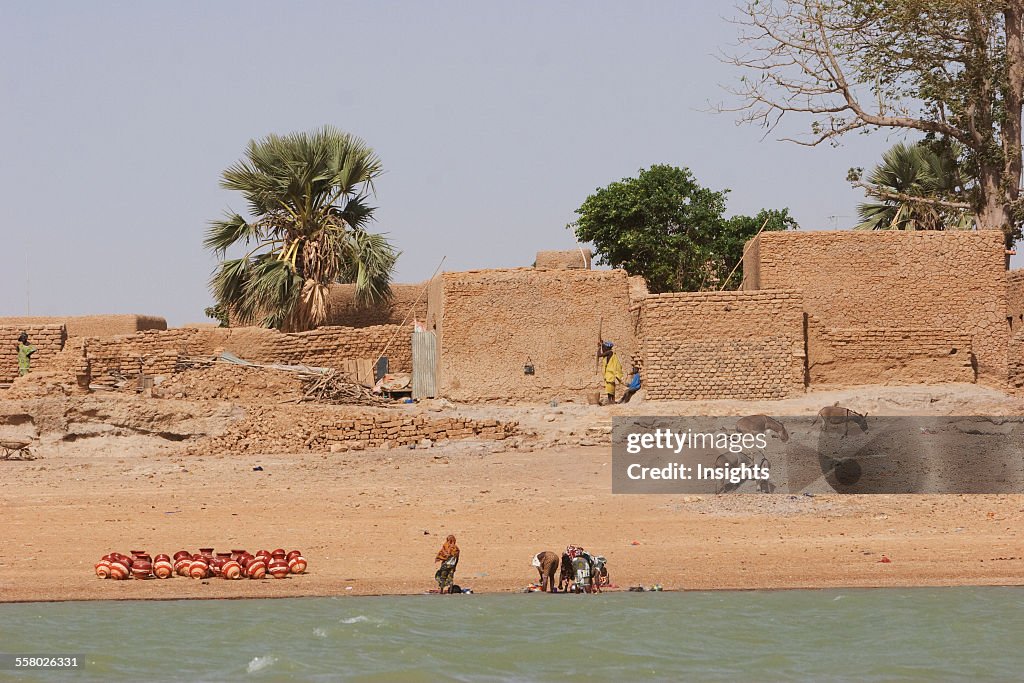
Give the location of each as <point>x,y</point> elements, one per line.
<point>487,419</point>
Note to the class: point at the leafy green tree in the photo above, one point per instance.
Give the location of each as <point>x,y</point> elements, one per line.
<point>219,313</point>
<point>916,188</point>
<point>665,226</point>
<point>733,237</point>
<point>949,68</point>
<point>307,196</point>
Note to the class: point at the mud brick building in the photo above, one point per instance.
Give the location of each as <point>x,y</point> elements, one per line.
<point>816,309</point>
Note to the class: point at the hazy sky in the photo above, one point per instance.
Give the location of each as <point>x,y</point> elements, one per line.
<point>494,121</point>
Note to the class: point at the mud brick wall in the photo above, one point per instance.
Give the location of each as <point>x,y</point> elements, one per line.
<point>48,340</point>
<point>288,430</point>
<point>1016,361</point>
<point>94,325</point>
<point>394,432</point>
<point>408,302</point>
<point>154,352</point>
<point>886,355</point>
<point>952,281</point>
<point>344,311</point>
<point>323,347</point>
<point>637,288</point>
<point>571,259</point>
<point>331,346</point>
<point>714,345</point>
<point>1015,300</point>
<point>161,351</point>
<point>490,323</point>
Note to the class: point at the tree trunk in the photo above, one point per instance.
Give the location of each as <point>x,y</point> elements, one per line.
<point>994,212</point>
<point>1013,16</point>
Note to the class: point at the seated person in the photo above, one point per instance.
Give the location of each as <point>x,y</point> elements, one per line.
<point>632,386</point>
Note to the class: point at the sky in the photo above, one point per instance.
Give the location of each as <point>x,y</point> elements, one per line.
<point>493,121</point>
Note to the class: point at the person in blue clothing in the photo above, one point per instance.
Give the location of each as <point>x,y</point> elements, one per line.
<point>632,386</point>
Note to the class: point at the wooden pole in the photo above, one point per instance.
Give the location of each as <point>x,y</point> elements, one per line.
<point>743,255</point>
<point>407,315</point>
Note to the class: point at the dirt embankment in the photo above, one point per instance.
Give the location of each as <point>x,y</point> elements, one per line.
<point>115,473</point>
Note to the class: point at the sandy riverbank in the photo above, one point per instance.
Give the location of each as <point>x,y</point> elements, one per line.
<point>373,521</point>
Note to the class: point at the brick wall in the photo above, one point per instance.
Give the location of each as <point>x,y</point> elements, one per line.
<point>344,311</point>
<point>287,430</point>
<point>48,340</point>
<point>1016,361</point>
<point>93,325</point>
<point>572,259</point>
<point>331,346</point>
<point>953,281</point>
<point>711,345</point>
<point>155,352</point>
<point>887,355</point>
<point>637,288</point>
<point>1015,299</point>
<point>161,351</point>
<point>490,323</point>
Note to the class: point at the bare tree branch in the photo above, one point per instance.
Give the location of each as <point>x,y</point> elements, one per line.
<point>951,69</point>
<point>804,58</point>
<point>875,191</point>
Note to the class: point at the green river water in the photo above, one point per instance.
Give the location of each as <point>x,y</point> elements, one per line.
<point>831,635</point>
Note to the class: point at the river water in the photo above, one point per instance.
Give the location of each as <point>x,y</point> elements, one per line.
<point>828,635</point>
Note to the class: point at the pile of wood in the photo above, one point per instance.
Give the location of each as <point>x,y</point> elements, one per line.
<point>349,386</point>
<point>333,387</point>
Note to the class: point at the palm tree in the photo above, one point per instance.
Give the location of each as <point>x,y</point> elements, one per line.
<point>917,188</point>
<point>307,195</point>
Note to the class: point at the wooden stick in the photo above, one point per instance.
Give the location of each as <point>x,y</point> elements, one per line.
<point>738,263</point>
<point>411,309</point>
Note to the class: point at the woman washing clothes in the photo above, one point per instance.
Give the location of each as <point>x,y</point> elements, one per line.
<point>448,556</point>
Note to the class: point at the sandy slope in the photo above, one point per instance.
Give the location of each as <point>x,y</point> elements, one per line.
<point>370,522</point>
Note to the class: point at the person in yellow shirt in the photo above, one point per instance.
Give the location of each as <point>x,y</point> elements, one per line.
<point>611,369</point>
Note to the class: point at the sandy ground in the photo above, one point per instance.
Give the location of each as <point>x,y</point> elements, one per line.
<point>371,522</point>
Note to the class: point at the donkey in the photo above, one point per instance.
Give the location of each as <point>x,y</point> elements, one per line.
<point>761,424</point>
<point>751,424</point>
<point>727,461</point>
<point>836,414</point>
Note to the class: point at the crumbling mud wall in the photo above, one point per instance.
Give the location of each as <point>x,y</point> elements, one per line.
<point>153,352</point>
<point>714,345</point>
<point>49,342</point>
<point>93,325</point>
<point>491,323</point>
<point>1015,300</point>
<point>1016,361</point>
<point>571,259</point>
<point>403,307</point>
<point>162,352</point>
<point>327,347</point>
<point>950,281</point>
<point>283,429</point>
<point>886,355</point>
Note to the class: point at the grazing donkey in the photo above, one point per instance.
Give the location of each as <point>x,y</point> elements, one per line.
<point>760,424</point>
<point>838,415</point>
<point>751,424</point>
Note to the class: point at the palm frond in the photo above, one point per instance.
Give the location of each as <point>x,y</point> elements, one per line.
<point>356,212</point>
<point>228,231</point>
<point>227,282</point>
<point>369,259</point>
<point>271,291</point>
<point>907,184</point>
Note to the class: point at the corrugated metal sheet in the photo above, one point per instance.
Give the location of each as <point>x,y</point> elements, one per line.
<point>424,364</point>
